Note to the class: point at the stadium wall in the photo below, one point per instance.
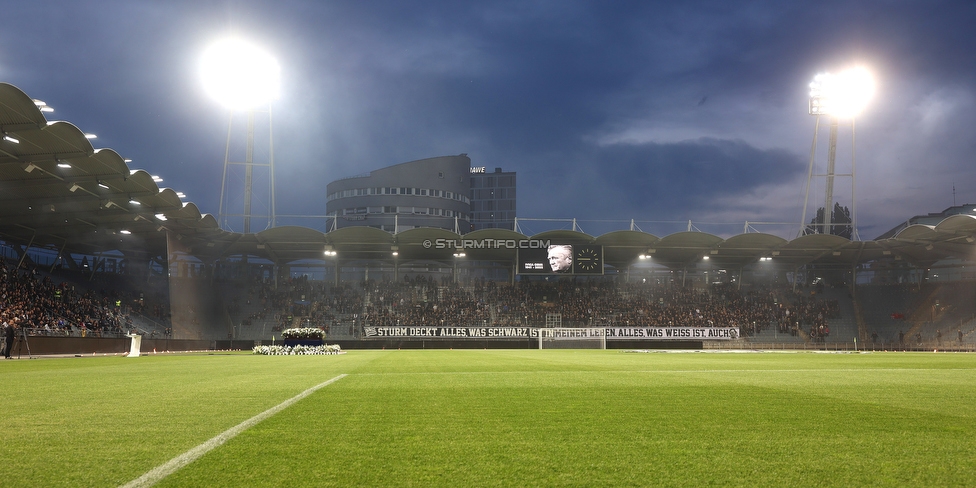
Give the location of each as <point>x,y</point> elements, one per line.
<point>49,346</point>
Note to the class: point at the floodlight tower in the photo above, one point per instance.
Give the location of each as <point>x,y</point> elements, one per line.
<point>243,78</point>
<point>839,97</point>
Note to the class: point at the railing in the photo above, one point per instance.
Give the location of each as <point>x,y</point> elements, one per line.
<point>361,175</point>
<point>160,327</point>
<point>924,346</point>
<point>41,332</point>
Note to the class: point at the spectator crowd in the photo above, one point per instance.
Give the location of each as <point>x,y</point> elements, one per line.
<point>43,307</point>
<point>424,301</point>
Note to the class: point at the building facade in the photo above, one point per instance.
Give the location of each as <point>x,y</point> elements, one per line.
<point>493,199</point>
<point>430,192</point>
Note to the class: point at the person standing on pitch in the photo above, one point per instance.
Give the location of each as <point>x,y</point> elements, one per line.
<point>8,337</point>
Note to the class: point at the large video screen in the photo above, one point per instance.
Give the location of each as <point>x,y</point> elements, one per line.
<point>579,259</point>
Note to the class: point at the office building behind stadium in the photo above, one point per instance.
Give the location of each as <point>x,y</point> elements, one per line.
<point>430,192</point>
<point>493,199</point>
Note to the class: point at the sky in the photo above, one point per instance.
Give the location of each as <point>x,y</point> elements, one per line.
<point>659,112</point>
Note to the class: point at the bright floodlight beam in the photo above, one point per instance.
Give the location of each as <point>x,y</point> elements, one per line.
<point>843,95</point>
<point>242,77</point>
<point>239,75</point>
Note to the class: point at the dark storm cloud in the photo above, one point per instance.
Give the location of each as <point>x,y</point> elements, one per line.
<point>652,181</point>
<point>688,174</point>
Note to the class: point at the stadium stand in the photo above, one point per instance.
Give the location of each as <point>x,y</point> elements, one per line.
<point>894,316</point>
<point>127,255</point>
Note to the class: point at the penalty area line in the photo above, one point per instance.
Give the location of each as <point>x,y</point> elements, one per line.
<point>158,473</point>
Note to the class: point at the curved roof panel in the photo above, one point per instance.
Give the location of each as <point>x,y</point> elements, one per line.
<point>564,237</point>
<point>622,247</point>
<point>916,231</point>
<point>426,243</point>
<point>960,223</point>
<point>743,249</point>
<point>18,111</point>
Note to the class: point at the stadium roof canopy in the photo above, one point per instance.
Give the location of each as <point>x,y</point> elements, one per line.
<point>58,192</point>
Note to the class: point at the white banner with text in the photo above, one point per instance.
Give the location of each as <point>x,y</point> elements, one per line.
<point>612,333</point>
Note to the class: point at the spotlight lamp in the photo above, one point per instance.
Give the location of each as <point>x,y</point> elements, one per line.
<point>843,95</point>
<point>43,107</point>
<point>239,75</point>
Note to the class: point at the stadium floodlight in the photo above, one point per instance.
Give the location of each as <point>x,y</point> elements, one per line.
<point>838,97</point>
<point>242,77</point>
<point>239,75</point>
<point>843,95</point>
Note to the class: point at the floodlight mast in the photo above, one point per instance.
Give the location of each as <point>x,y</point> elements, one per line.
<point>839,97</point>
<point>243,78</point>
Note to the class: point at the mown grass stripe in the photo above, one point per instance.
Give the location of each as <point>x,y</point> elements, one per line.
<point>662,371</point>
<point>158,473</point>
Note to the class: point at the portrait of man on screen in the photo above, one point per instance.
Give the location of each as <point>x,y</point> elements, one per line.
<point>561,258</point>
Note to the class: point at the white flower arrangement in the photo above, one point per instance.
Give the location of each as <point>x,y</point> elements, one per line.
<point>279,350</point>
<point>303,333</point>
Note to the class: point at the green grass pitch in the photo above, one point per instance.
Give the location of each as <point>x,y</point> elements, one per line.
<point>496,418</point>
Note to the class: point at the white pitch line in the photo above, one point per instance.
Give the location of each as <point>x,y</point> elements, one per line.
<point>155,475</point>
